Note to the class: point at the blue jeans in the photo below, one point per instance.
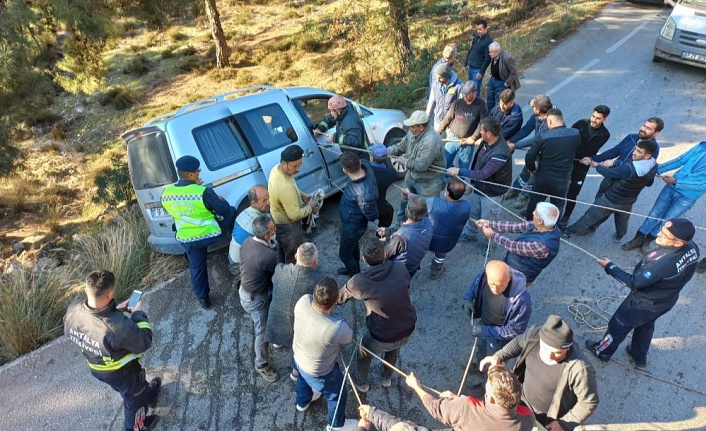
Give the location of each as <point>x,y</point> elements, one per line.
<point>258,308</point>
<point>669,204</point>
<point>472,77</point>
<point>495,87</point>
<point>482,208</point>
<point>330,386</point>
<point>197,255</point>
<point>465,152</point>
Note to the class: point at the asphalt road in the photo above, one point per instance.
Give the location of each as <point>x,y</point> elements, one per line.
<point>206,357</point>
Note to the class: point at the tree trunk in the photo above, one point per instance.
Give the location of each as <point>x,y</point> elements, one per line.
<point>214,21</point>
<point>398,14</point>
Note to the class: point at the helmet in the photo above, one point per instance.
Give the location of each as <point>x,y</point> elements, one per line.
<point>337,102</point>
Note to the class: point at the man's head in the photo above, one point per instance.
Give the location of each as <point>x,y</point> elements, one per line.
<point>100,285</point>
<point>598,116</point>
<point>188,168</point>
<point>541,104</point>
<point>481,27</point>
<point>373,251</point>
<point>336,105</point>
<point>675,233</point>
<point>350,162</point>
<point>455,188</point>
<point>263,228</point>
<point>507,100</point>
<point>378,153</point>
<point>555,340</point>
<point>325,294</point>
<point>494,50</point>
<point>651,128</point>
<point>291,160</point>
<point>502,388</point>
<point>498,276</point>
<point>259,198</point>
<point>545,215</point>
<point>490,129</point>
<point>443,73</point>
<point>554,118</point>
<point>417,122</point>
<point>307,255</point>
<point>416,208</point>
<point>644,150</point>
<point>468,92</point>
<point>450,52</point>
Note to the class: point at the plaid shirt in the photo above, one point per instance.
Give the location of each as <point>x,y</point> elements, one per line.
<point>533,249</point>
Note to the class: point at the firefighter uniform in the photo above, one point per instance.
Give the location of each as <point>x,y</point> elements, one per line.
<point>201,218</point>
<point>112,344</point>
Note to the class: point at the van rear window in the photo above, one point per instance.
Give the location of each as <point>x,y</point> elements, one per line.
<point>150,162</point>
<point>220,144</point>
<point>267,128</point>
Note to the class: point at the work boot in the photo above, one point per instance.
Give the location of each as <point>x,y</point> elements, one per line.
<point>511,194</point>
<point>437,268</point>
<point>645,247</point>
<point>635,242</point>
<point>701,266</point>
<point>155,387</point>
<point>521,203</point>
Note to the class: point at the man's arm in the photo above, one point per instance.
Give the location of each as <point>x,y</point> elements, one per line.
<point>325,124</point>
<point>516,324</point>
<point>289,198</point>
<point>438,408</point>
<point>613,152</point>
<point>395,245</point>
<point>639,279</point>
<point>679,161</point>
<point>135,336</point>
<point>533,153</point>
<point>534,249</point>
<point>510,226</point>
<point>383,420</point>
<point>448,118</point>
<point>425,156</point>
<point>400,147</point>
<point>583,384</point>
<point>512,67</point>
<point>348,291</point>
<point>525,130</point>
<point>494,165</point>
<point>215,203</point>
<point>623,171</point>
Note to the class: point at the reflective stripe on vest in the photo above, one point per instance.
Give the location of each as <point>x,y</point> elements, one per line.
<point>193,220</point>
<point>111,365</point>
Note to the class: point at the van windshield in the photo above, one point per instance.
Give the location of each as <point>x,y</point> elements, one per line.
<point>150,162</point>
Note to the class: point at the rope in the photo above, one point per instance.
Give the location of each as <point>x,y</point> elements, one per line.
<point>355,389</point>
<point>393,368</point>
<point>343,383</point>
<point>318,199</point>
<point>581,311</point>
<point>470,358</point>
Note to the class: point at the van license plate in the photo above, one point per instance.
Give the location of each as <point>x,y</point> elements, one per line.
<point>693,57</point>
<point>158,212</point>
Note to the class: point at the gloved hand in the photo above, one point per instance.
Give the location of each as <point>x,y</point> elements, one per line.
<point>477,330</point>
<point>468,308</point>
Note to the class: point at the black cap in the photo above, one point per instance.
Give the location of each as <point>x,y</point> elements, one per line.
<point>188,164</point>
<point>556,333</point>
<point>292,153</point>
<point>681,228</point>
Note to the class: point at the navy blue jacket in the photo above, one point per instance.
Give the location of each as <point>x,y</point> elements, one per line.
<point>623,151</point>
<point>531,267</point>
<point>410,243</point>
<point>359,201</point>
<point>448,219</point>
<point>510,123</point>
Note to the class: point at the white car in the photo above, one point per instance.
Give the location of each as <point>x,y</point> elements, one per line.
<point>683,36</point>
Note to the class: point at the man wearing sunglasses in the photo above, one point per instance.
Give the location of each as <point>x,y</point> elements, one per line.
<point>654,285</point>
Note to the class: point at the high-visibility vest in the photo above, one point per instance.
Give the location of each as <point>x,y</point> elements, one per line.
<point>193,220</point>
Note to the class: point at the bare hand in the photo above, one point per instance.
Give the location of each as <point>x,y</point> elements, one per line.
<point>479,76</point>
<point>137,307</point>
<point>381,232</point>
<point>406,192</point>
<point>412,381</point>
<point>364,423</point>
<point>447,394</point>
<point>363,410</point>
<point>603,262</point>
<point>306,197</point>
<point>488,232</point>
<point>593,164</point>
<point>609,163</point>
<point>318,132</point>
<point>511,145</point>
<point>314,206</point>
<point>482,223</point>
<point>554,426</point>
<point>122,306</point>
<point>199,181</point>
<point>329,137</point>
<point>488,360</point>
<point>452,171</point>
<point>669,179</point>
<point>586,161</point>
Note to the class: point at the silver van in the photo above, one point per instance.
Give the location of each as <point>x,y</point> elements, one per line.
<point>238,137</point>
<point>683,36</point>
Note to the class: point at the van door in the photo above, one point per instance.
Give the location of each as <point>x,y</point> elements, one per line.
<point>269,130</point>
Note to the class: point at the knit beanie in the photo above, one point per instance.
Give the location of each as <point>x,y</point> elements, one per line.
<point>292,153</point>
<point>443,70</point>
<point>681,228</point>
<point>556,333</point>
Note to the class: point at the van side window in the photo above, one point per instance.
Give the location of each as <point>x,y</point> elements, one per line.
<point>267,128</point>
<point>220,144</point>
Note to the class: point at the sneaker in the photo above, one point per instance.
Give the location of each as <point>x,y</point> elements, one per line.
<point>314,397</point>
<point>348,425</point>
<point>631,358</point>
<point>617,238</point>
<point>591,346</point>
<point>267,373</point>
<point>701,266</point>
<point>365,387</point>
<point>386,382</point>
<point>148,423</point>
<point>154,388</point>
<point>276,346</point>
<point>343,271</point>
<point>294,375</point>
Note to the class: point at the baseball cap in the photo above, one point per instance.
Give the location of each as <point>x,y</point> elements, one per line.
<point>417,118</point>
<point>378,151</point>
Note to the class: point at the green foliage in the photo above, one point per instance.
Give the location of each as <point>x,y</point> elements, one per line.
<point>114,185</point>
<point>120,98</point>
<point>139,65</point>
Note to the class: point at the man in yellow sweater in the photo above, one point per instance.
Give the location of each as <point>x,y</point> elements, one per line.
<point>288,205</point>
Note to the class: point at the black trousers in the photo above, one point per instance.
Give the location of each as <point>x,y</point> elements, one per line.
<point>550,186</point>
<point>349,246</point>
<point>387,214</point>
<point>578,175</point>
<point>595,216</point>
<point>289,238</point>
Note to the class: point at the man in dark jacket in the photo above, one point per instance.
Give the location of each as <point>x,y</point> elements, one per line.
<point>358,206</point>
<point>503,73</point>
<point>112,344</point>
<point>461,125</point>
<point>654,285</point>
<point>622,152</point>
<point>509,113</point>
<point>410,242</point>
<point>594,135</point>
<point>350,130</point>
<point>558,383</point>
<point>492,163</point>
<point>258,259</point>
<point>554,152</point>
<point>290,282</point>
<point>390,316</point>
<point>383,421</point>
<point>478,57</point>
<point>385,175</point>
<point>448,216</point>
<point>500,306</point>
<point>619,190</point>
